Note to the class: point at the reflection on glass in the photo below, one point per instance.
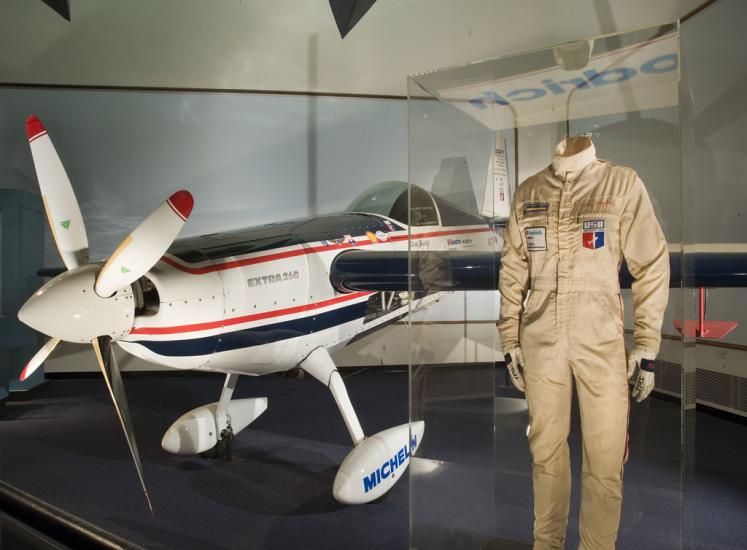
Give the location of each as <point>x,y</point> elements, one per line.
<point>620,91</point>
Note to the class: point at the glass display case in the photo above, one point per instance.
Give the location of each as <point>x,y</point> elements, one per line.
<point>475,133</point>
<point>665,102</point>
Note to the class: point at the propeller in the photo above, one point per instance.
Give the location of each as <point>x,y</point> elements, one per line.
<point>87,302</point>
<point>59,199</point>
<point>102,346</point>
<point>38,358</point>
<point>142,248</point>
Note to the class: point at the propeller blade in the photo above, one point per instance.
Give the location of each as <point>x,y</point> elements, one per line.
<point>142,248</point>
<point>59,199</point>
<point>38,358</point>
<point>112,377</point>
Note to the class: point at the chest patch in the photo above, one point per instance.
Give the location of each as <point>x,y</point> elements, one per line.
<point>592,236</point>
<point>536,238</point>
<point>535,208</point>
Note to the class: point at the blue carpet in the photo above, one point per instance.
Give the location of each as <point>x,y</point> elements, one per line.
<point>65,446</point>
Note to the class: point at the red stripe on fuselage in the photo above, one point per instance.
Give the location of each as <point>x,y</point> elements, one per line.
<point>310,250</point>
<point>247,318</point>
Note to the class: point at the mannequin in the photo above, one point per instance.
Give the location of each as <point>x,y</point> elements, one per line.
<point>570,226</point>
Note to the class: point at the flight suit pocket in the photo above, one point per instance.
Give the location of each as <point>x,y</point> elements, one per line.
<point>537,327</point>
<point>596,330</point>
<point>612,306</point>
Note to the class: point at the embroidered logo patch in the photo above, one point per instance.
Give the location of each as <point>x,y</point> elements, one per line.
<point>536,239</point>
<point>597,204</point>
<point>535,208</point>
<point>593,234</point>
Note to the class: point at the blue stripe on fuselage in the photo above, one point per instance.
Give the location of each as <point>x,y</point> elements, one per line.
<point>255,336</point>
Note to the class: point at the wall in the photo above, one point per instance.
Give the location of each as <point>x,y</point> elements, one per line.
<point>290,45</point>
<point>247,159</point>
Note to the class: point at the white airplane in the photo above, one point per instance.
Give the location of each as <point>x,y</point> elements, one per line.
<point>248,302</point>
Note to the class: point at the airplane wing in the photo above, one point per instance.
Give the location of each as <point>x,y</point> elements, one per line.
<point>425,271</point>
<point>699,267</point>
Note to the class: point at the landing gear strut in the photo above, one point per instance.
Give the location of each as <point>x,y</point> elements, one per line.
<point>320,365</point>
<point>222,449</point>
<point>376,463</point>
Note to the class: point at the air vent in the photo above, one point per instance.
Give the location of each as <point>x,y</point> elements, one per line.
<point>716,389</point>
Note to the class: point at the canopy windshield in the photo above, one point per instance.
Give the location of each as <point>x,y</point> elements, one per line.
<point>381,199</point>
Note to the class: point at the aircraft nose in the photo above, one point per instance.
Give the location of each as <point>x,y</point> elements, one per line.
<point>68,308</point>
<point>32,314</point>
<point>49,309</point>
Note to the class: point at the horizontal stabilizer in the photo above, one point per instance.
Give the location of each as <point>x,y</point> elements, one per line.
<point>705,329</point>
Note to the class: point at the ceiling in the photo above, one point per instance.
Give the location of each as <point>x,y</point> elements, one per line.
<point>291,45</point>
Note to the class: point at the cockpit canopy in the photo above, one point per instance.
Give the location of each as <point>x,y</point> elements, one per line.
<point>390,199</point>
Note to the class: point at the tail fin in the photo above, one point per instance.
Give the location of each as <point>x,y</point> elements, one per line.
<point>496,202</point>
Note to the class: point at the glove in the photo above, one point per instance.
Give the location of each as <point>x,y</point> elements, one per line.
<point>515,364</point>
<point>644,382</point>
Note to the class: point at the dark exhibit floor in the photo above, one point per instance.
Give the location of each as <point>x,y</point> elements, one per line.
<point>65,446</point>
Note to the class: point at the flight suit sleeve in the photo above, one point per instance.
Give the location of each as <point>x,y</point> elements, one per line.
<point>647,256</point>
<point>513,282</point>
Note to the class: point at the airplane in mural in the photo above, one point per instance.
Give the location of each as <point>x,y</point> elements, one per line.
<point>250,302</point>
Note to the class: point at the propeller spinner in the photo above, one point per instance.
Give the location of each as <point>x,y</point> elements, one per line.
<point>68,308</point>
<point>90,302</point>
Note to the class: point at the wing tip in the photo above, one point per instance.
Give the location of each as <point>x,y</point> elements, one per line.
<point>183,202</point>
<point>24,373</point>
<point>34,127</point>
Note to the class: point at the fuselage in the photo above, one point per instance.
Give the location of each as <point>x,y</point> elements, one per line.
<point>259,300</point>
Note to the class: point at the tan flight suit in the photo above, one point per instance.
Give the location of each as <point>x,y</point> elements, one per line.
<point>570,226</point>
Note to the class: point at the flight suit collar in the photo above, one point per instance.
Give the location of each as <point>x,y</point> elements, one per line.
<point>572,155</point>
